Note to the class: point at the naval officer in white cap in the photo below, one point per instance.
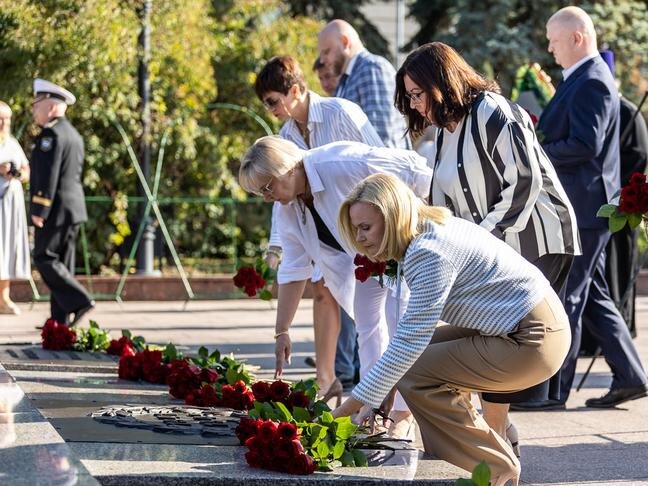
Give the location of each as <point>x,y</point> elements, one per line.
<point>57,200</point>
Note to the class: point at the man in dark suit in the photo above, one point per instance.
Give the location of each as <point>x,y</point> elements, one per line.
<point>57,201</point>
<point>579,130</point>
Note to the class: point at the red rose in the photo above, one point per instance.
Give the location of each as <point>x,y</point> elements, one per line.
<point>128,350</point>
<point>57,336</point>
<point>209,397</point>
<point>287,431</point>
<point>243,276</point>
<point>267,432</point>
<point>254,444</point>
<point>116,346</point>
<point>247,401</point>
<point>228,391</point>
<point>240,386</point>
<point>250,290</point>
<point>298,399</point>
<point>208,375</point>
<point>130,367</point>
<point>303,464</point>
<point>182,378</point>
<point>261,391</point>
<point>288,449</point>
<point>279,391</point>
<point>254,459</point>
<point>362,273</point>
<point>637,179</point>
<point>380,267</point>
<point>246,428</point>
<point>357,260</point>
<point>194,399</point>
<point>153,369</point>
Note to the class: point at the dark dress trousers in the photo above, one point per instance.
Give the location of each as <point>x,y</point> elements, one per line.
<point>622,253</point>
<point>57,197</point>
<point>580,133</point>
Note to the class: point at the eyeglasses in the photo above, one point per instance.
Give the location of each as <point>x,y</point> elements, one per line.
<point>414,97</point>
<point>38,100</point>
<point>270,103</point>
<point>267,189</point>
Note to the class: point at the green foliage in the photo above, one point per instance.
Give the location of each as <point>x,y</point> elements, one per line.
<point>201,51</point>
<point>92,339</point>
<point>226,366</point>
<point>480,476</point>
<point>497,37</point>
<point>328,10</point>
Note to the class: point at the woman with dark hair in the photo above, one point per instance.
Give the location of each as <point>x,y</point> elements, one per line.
<point>489,168</point>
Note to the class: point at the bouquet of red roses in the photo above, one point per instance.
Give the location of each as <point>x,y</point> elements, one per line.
<point>57,336</point>
<point>252,279</point>
<point>366,268</point>
<point>632,207</point>
<point>276,447</point>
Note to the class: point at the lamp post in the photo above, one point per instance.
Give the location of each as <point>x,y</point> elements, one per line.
<point>145,251</point>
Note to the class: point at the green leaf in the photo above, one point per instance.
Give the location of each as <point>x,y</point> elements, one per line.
<point>126,333</point>
<point>326,418</point>
<point>203,352</point>
<point>93,324</point>
<point>319,408</point>
<point>301,414</point>
<point>283,411</point>
<point>231,375</point>
<point>323,449</point>
<point>359,458</point>
<point>344,427</point>
<point>347,459</point>
<point>215,355</point>
<point>606,210</point>
<point>481,474</point>
<point>617,222</point>
<point>339,449</point>
<point>265,294</point>
<point>634,220</point>
<point>464,482</point>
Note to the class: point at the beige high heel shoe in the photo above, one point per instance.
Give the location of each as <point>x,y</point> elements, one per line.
<point>402,426</point>
<point>512,438</point>
<point>335,390</point>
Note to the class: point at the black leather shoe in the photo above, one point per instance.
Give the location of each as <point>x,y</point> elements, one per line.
<point>617,396</point>
<point>538,406</point>
<point>82,311</point>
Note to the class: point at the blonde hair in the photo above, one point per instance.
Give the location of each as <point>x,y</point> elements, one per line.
<point>403,212</point>
<point>270,156</point>
<point>6,107</point>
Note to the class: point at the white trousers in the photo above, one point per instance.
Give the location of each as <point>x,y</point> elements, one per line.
<point>377,312</point>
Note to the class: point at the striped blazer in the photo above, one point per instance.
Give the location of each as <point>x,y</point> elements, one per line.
<point>492,170</point>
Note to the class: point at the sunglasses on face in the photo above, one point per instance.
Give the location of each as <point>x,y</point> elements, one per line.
<point>270,103</point>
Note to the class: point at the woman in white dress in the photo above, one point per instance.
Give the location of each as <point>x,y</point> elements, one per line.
<point>14,247</point>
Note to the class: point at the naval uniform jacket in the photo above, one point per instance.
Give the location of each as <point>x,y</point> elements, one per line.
<point>56,166</point>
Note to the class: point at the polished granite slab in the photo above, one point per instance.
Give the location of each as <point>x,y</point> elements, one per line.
<point>31,450</point>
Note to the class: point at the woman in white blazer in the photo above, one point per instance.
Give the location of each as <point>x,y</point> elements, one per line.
<point>311,186</point>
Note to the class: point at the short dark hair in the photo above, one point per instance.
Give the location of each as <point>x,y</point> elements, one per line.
<point>279,74</point>
<point>451,86</point>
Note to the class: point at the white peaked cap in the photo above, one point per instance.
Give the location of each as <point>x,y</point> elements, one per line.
<point>51,90</point>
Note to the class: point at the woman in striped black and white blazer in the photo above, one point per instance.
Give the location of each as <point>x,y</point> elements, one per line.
<point>489,168</point>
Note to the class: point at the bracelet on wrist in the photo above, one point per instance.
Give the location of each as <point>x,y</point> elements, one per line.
<point>281,333</point>
<point>273,252</point>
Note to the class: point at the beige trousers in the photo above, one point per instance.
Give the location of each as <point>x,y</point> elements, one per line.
<point>458,360</point>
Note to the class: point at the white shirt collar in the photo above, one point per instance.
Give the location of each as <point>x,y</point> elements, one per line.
<point>352,62</point>
<point>570,70</point>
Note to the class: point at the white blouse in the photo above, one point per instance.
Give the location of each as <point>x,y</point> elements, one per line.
<point>333,170</point>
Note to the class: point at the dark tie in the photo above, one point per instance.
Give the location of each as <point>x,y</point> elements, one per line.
<point>341,84</point>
